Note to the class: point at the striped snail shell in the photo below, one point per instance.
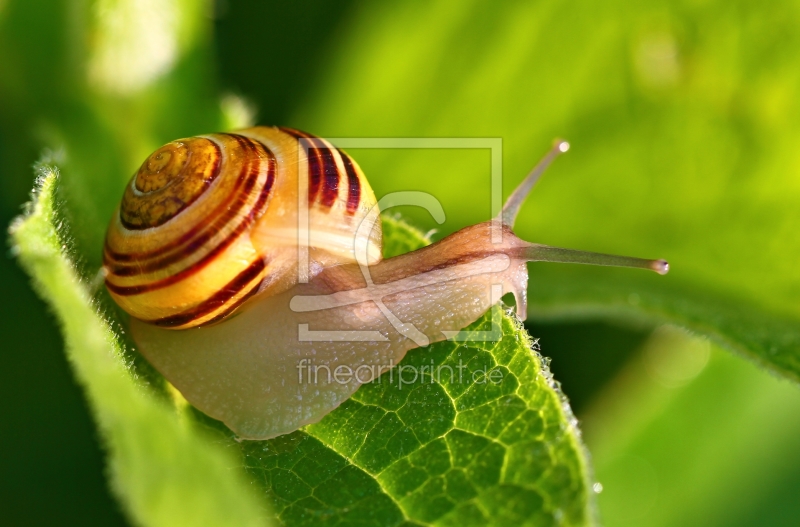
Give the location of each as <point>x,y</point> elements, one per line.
<point>205,254</point>
<point>209,221</point>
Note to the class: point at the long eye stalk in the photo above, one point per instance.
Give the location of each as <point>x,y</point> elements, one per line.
<point>545,253</point>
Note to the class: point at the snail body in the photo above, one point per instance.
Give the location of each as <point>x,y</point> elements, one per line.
<point>271,350</point>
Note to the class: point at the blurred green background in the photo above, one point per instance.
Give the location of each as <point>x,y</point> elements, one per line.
<point>684,120</point>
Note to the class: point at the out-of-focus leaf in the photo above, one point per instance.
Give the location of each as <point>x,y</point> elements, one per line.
<point>77,79</point>
<point>676,443</point>
<point>771,340</point>
<point>400,238</point>
<point>684,122</point>
<point>164,471</point>
<point>133,44</point>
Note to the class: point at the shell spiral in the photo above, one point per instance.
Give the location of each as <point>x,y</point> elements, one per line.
<point>209,222</point>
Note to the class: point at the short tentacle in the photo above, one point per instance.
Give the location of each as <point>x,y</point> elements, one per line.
<point>520,194</point>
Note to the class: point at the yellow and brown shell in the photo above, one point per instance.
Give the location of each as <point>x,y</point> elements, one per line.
<point>209,221</point>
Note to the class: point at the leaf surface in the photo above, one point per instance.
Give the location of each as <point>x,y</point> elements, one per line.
<point>685,428</point>
<point>165,472</point>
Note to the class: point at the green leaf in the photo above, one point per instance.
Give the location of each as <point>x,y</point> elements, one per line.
<point>684,125</point>
<point>165,472</point>
<point>771,340</point>
<point>103,83</point>
<point>438,440</point>
<point>687,427</point>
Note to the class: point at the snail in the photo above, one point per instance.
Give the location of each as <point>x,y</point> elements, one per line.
<point>250,265</point>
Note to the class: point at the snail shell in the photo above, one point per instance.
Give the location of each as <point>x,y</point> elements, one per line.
<point>208,228</point>
<point>209,221</point>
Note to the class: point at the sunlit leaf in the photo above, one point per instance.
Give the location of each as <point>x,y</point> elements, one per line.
<point>165,472</point>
